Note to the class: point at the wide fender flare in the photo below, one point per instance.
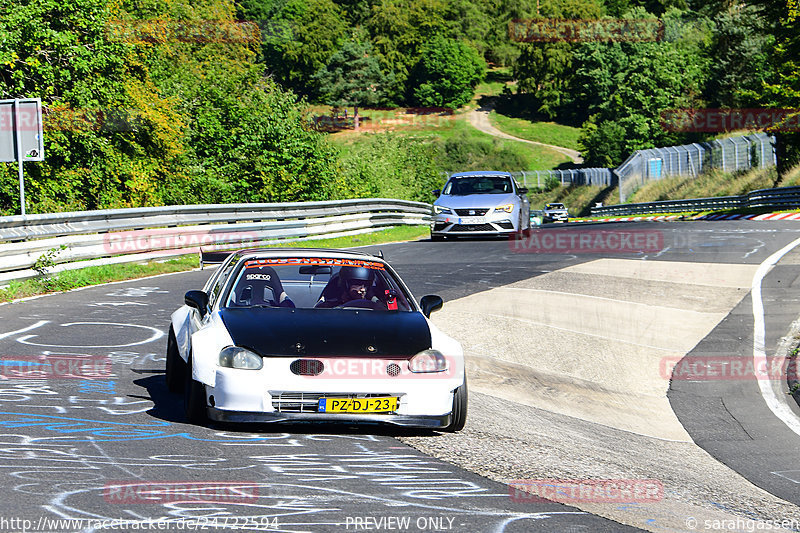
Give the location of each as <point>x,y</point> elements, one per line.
<point>206,345</point>
<point>450,348</point>
<point>180,326</point>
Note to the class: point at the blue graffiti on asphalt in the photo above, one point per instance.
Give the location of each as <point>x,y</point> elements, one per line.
<point>101,431</point>
<point>88,386</point>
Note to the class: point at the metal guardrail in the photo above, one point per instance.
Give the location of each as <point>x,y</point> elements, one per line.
<point>152,232</point>
<point>781,198</point>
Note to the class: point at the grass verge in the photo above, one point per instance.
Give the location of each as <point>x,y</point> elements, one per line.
<point>96,275</point>
<point>543,132</point>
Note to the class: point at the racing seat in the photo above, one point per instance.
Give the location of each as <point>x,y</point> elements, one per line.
<point>253,294</point>
<point>262,291</point>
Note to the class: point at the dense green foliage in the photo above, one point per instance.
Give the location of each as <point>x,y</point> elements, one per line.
<point>140,115</point>
<point>352,77</point>
<point>137,116</point>
<point>447,73</point>
<point>710,55</point>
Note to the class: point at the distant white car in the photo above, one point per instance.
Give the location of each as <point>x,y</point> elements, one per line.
<point>314,335</point>
<point>555,212</point>
<point>480,203</point>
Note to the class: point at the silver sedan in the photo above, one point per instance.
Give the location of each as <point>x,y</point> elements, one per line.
<point>480,203</point>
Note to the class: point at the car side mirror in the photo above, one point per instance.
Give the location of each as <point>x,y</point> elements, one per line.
<point>197,300</point>
<point>437,192</point>
<point>523,190</point>
<point>430,303</point>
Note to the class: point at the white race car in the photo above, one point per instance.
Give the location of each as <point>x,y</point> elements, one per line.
<point>314,335</point>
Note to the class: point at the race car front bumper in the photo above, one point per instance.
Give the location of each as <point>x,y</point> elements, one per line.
<point>276,394</point>
<point>221,415</point>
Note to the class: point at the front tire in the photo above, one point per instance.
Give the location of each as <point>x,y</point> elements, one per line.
<point>176,367</point>
<point>437,238</point>
<point>194,399</point>
<point>458,417</point>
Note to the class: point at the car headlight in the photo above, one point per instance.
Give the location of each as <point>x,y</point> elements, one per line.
<point>235,357</point>
<point>438,209</point>
<point>505,208</point>
<point>428,361</point>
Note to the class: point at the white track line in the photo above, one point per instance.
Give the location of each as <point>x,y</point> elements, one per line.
<point>778,408</point>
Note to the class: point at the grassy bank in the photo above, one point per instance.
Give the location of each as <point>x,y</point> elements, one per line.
<point>452,144</point>
<point>543,132</point>
<point>95,275</point>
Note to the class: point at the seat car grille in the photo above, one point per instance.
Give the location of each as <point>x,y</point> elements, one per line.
<point>307,402</point>
<point>473,212</point>
<point>473,227</point>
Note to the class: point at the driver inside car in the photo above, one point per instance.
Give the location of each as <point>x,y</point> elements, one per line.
<point>356,283</point>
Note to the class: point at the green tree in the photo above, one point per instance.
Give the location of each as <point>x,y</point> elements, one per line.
<point>66,54</point>
<point>299,37</point>
<point>399,28</point>
<point>140,116</point>
<point>545,69</point>
<point>782,88</point>
<point>352,77</point>
<point>447,73</point>
<point>655,77</point>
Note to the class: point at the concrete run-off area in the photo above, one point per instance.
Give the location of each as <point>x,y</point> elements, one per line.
<point>570,371</point>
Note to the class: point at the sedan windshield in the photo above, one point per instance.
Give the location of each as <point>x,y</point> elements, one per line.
<point>479,185</point>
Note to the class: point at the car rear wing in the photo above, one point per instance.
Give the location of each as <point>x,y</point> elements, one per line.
<point>213,257</point>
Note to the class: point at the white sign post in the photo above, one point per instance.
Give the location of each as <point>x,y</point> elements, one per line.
<point>21,137</point>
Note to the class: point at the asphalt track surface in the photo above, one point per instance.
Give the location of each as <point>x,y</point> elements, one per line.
<point>117,448</point>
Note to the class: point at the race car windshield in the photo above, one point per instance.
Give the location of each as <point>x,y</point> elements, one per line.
<point>322,284</point>
<point>478,185</point>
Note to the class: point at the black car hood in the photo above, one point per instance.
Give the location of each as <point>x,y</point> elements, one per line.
<point>327,332</point>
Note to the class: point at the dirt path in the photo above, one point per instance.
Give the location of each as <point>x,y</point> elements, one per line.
<point>479,118</point>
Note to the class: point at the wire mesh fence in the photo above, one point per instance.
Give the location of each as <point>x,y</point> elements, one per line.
<point>545,179</point>
<point>729,154</point>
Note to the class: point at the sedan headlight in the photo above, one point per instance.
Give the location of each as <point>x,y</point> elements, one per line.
<point>428,361</point>
<point>505,208</point>
<point>235,357</point>
<point>438,209</point>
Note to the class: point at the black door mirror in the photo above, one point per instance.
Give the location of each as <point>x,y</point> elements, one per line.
<point>436,192</point>
<point>430,303</point>
<point>197,300</point>
<point>523,190</point>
